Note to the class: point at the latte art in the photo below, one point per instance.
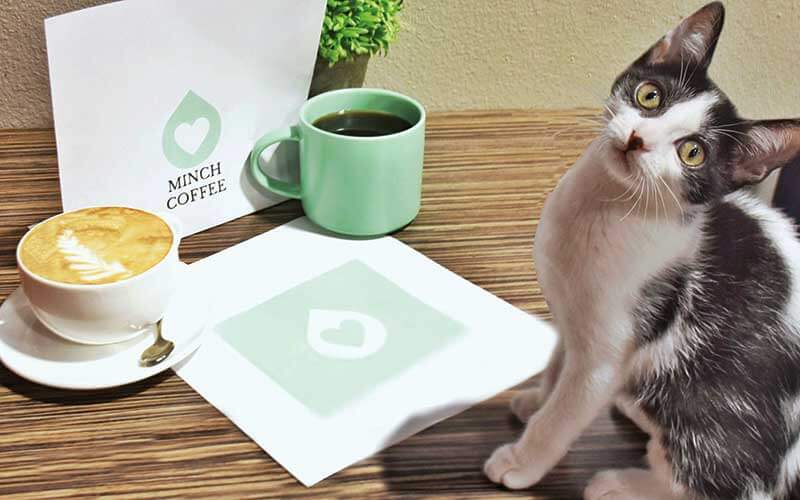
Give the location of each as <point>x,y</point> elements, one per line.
<point>86,262</point>
<point>96,245</point>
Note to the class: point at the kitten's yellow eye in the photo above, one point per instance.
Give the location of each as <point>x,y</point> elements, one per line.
<point>691,153</point>
<point>648,96</point>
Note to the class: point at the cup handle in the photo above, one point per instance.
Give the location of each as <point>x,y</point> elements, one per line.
<point>283,188</point>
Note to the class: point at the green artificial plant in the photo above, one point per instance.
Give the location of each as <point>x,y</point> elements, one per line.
<point>356,27</point>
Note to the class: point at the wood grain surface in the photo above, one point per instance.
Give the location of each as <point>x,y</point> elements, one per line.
<point>486,178</point>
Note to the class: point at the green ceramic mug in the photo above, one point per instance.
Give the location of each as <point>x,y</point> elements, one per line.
<point>358,186</point>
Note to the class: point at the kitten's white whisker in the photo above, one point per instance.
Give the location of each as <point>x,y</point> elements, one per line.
<point>590,118</point>
<point>633,207</point>
<point>610,113</point>
<point>618,198</point>
<point>661,196</point>
<point>655,199</point>
<point>650,189</point>
<point>688,80</point>
<point>732,131</point>
<point>593,127</point>
<point>631,185</point>
<point>742,122</point>
<point>650,181</point>
<point>671,192</point>
<point>681,81</point>
<point>603,140</point>
<point>639,181</point>
<point>732,137</point>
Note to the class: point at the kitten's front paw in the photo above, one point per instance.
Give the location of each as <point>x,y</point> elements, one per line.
<point>608,485</point>
<point>506,467</point>
<point>525,403</point>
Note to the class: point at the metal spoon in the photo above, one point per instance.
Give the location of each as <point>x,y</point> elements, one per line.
<point>157,352</point>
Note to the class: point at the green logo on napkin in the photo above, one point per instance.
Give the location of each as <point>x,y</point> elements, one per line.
<point>332,339</point>
<point>192,132</point>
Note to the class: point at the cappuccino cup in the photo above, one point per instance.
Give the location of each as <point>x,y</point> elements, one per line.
<point>100,275</point>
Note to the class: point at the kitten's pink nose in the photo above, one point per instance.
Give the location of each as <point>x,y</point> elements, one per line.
<point>634,143</point>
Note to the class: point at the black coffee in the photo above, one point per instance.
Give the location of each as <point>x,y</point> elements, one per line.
<point>362,123</point>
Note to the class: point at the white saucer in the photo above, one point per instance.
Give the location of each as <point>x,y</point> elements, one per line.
<point>33,352</point>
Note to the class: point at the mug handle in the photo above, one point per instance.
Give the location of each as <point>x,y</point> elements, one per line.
<point>277,186</point>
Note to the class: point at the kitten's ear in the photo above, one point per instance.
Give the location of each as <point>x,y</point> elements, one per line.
<point>692,42</point>
<point>768,145</point>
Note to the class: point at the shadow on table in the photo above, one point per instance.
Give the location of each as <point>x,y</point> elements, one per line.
<point>280,214</point>
<point>31,390</point>
<point>447,459</point>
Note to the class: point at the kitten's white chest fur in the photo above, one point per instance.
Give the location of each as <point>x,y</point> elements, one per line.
<point>590,262</point>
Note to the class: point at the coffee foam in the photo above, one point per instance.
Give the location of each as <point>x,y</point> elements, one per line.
<point>96,245</point>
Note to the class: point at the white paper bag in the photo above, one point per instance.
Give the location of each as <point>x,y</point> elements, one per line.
<point>158,102</point>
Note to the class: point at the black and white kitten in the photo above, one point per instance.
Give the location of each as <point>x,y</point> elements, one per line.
<point>675,293</point>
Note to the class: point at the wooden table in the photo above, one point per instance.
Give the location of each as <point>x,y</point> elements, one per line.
<point>486,177</point>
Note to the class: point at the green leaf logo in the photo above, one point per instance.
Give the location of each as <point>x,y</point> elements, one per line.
<point>192,132</point>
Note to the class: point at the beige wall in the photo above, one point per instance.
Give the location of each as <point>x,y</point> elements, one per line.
<point>24,91</point>
<point>468,54</point>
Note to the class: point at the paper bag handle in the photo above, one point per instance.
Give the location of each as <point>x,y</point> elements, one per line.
<point>277,186</point>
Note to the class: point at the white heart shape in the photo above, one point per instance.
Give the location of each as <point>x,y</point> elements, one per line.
<point>320,320</point>
<point>190,136</point>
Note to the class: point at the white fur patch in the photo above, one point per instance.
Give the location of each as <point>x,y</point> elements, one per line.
<point>673,349</point>
<point>791,413</point>
<point>681,119</point>
<point>584,248</point>
<point>790,469</point>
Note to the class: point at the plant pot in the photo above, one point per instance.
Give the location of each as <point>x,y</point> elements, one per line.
<point>342,75</point>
